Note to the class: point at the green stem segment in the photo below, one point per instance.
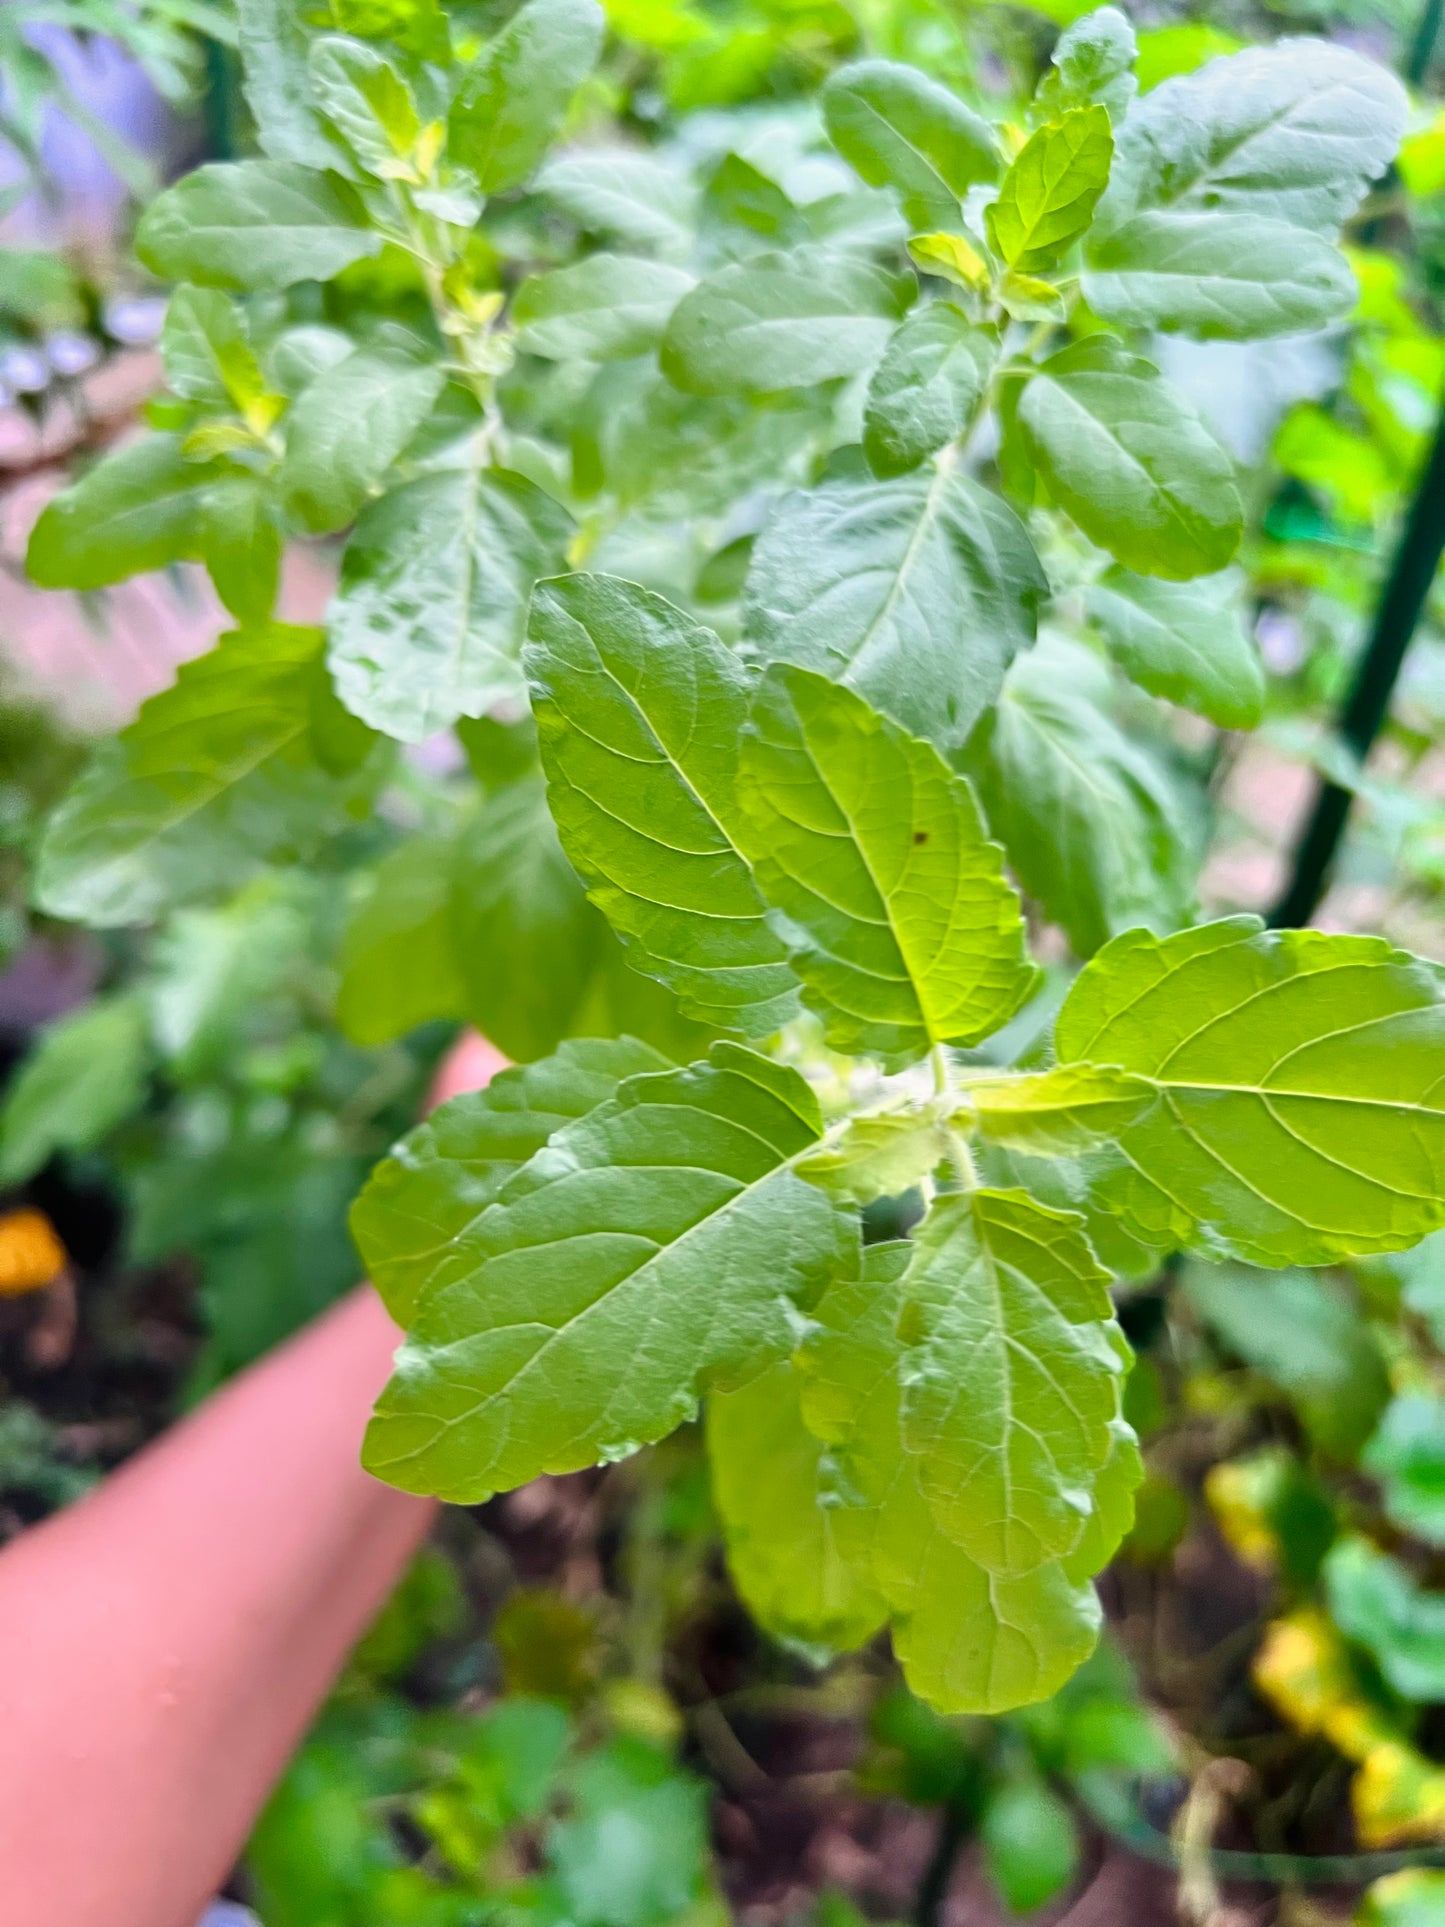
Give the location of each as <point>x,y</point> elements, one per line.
<point>1411,573</point>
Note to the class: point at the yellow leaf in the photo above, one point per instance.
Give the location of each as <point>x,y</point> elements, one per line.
<point>952,257</point>
<point>1398,1795</point>
<point>1302,1669</point>
<point>31,1254</point>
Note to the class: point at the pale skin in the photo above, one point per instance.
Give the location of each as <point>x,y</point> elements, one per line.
<point>165,1643</point>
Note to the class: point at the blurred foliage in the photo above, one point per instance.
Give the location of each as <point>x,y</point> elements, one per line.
<point>234,1085</point>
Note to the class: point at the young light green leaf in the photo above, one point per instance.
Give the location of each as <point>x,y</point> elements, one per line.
<point>206,351</point>
<point>872,852</point>
<point>1131,461</point>
<point>1181,642</point>
<point>1093,61</point>
<point>398,958</point>
<point>255,224</point>
<point>427,623</point>
<point>441,1177</point>
<point>917,592</point>
<point>85,1074</point>
<point>514,99</point>
<point>525,937</point>
<point>783,321</point>
<point>881,1154</point>
<point>217,775</point>
<point>240,540</point>
<point>367,101</point>
<point>347,429</point>
<point>969,1640</point>
<point>769,1482</point>
<point>1219,277</point>
<point>1115,1483</point>
<point>632,196</point>
<point>1407,1454</point>
<point>1050,192</point>
<point>1378,1602</point>
<point>639,705</point>
<point>1058,1113</point>
<point>603,308</point>
<point>927,386</point>
<point>1094,826</point>
<point>1300,1115</point>
<point>1010,1380</point>
<point>141,507</point>
<point>659,1248</point>
<point>1295,131</point>
<point>900,129</point>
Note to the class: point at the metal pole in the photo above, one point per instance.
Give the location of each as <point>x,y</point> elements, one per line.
<point>1411,573</point>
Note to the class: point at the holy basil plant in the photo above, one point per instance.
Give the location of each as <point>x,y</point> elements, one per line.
<point>832,428</point>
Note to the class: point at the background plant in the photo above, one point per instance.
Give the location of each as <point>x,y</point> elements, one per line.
<point>486,397</point>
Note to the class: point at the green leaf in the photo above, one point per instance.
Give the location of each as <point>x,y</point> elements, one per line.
<point>1030,1844</point>
<point>347,429</point>
<point>1092,824</point>
<point>1407,1454</point>
<point>1073,1184</point>
<point>398,960</point>
<point>927,387</point>
<point>1115,1484</point>
<point>639,711</point>
<point>603,308</point>
<point>967,1639</point>
<point>1010,1381</point>
<point>741,202</point>
<point>917,592</point>
<point>514,99</point>
<point>437,1182</point>
<point>206,350</point>
<point>1300,1082</point>
<point>769,1482</point>
<point>882,1154</point>
<point>524,935</point>
<point>84,1075</point>
<point>215,777</point>
<point>141,507</point>
<point>1094,60</point>
<point>1219,277</point>
<point>1414,1898</point>
<point>1050,192</point>
<point>1304,1336</point>
<point>367,101</point>
<point>633,196</point>
<point>240,539</point>
<point>783,321</point>
<point>874,857</point>
<point>1295,131</point>
<point>274,40</point>
<point>900,129</point>
<point>1131,461</point>
<point>634,1847</point>
<point>427,623</point>
<point>1059,1113</point>
<point>658,1248</point>
<point>1184,643</point>
<point>1376,1601</point>
<point>255,225</point>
